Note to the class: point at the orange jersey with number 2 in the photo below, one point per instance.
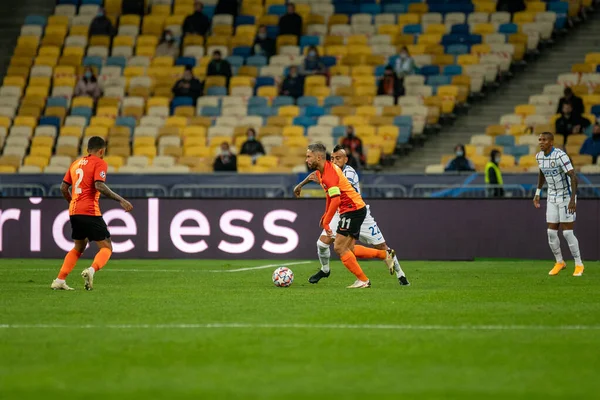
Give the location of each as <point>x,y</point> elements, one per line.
<point>335,183</point>
<point>82,176</point>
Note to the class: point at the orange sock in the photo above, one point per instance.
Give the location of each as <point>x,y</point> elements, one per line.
<point>349,260</point>
<point>101,258</point>
<point>366,252</point>
<point>68,264</point>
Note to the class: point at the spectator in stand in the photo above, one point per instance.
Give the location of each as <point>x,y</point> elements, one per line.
<point>390,85</point>
<point>168,46</point>
<point>493,175</point>
<point>511,6</point>
<point>591,146</point>
<point>312,63</point>
<point>101,25</point>
<point>188,86</point>
<point>227,7</point>
<point>219,67</point>
<point>570,123</point>
<point>252,146</point>
<point>354,145</point>
<point>88,85</point>
<point>196,23</point>
<point>226,161</point>
<point>263,45</point>
<point>293,84</point>
<point>569,97</point>
<point>290,23</point>
<point>403,64</point>
<point>460,162</point>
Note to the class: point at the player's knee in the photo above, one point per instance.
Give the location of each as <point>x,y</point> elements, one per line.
<point>552,233</point>
<point>321,244</point>
<point>568,234</point>
<point>340,247</point>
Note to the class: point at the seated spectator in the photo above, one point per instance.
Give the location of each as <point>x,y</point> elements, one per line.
<point>390,85</point>
<point>219,67</point>
<point>293,84</point>
<point>88,85</point>
<point>252,146</point>
<point>226,161</point>
<point>570,123</point>
<point>591,146</point>
<point>354,145</point>
<point>101,25</point>
<point>263,45</point>
<point>404,64</point>
<point>188,86</point>
<point>291,23</point>
<point>312,63</point>
<point>196,23</point>
<point>168,46</point>
<point>460,162</point>
<point>569,97</point>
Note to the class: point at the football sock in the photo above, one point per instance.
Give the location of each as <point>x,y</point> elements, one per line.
<point>573,246</point>
<point>366,252</point>
<point>554,243</point>
<point>101,258</point>
<point>349,260</point>
<point>68,264</point>
<point>324,255</point>
<point>398,268</point>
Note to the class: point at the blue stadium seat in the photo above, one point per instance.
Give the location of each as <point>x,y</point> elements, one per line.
<point>403,120</point>
<point>93,61</point>
<point>217,91</point>
<point>329,61</point>
<point>332,101</point>
<point>596,110</point>
<point>96,2</point>
<point>347,9</point>
<point>304,121</point>
<point>243,51</point>
<point>404,135</point>
<point>460,29</point>
<point>277,9</point>
<point>413,29</point>
<point>116,61</point>
<point>262,111</point>
<point>561,8</point>
<point>452,70</point>
<point>338,131</point>
<point>256,101</point>
<point>508,29</point>
<point>245,20</point>
<point>210,111</point>
<point>35,20</point>
<point>395,8</point>
<point>129,122</point>
<point>68,2</point>
<point>517,151</point>
<point>236,61</point>
<point>52,121</point>
<point>458,49</point>
<point>372,8</point>
<point>307,101</point>
<point>438,80</point>
<point>379,71</point>
<point>57,102</point>
<point>428,70</point>
<point>264,81</point>
<point>182,101</point>
<point>314,111</point>
<point>257,61</point>
<point>186,61</point>
<point>281,101</point>
<point>209,11</point>
<point>309,41</point>
<point>82,112</point>
<point>505,140</point>
<point>272,31</point>
<point>475,39</point>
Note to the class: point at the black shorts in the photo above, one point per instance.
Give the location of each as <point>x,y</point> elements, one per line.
<point>351,222</point>
<point>88,227</point>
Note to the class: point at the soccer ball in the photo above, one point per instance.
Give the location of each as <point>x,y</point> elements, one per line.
<point>283,277</point>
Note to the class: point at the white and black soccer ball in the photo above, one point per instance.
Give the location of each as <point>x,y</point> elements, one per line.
<point>283,277</point>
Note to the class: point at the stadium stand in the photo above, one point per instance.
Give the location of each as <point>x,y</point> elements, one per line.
<point>457,48</point>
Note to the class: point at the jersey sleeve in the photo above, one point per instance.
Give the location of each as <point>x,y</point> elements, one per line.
<point>67,178</point>
<point>565,163</point>
<point>100,171</point>
<point>332,181</point>
<point>352,177</point>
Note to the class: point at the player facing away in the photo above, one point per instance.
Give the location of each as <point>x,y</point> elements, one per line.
<point>369,231</point>
<point>86,177</point>
<point>556,169</point>
<point>340,194</point>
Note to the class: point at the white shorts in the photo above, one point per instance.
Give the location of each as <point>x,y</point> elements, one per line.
<point>369,231</point>
<point>557,213</point>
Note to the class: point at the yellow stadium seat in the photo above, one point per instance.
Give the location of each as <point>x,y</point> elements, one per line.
<point>592,58</point>
<point>467,59</point>
<point>485,6</point>
<point>317,91</point>
<point>143,141</point>
<point>293,130</point>
<point>495,130</point>
<point>365,91</point>
<point>517,130</point>
<point>148,151</point>
<point>296,141</point>
<point>267,161</point>
<point>115,161</point>
<point>267,91</point>
<point>240,81</point>
<point>42,141</point>
<point>38,161</point>
<point>354,120</point>
<point>102,121</point>
<point>525,109</point>
<point>153,25</point>
<point>289,111</point>
<point>366,111</point>
<point>5,122</point>
<point>483,29</point>
<point>363,131</point>
<point>41,151</point>
<point>101,131</point>
<point>583,68</point>
<point>25,121</point>
<point>523,17</point>
<point>339,19</point>
<point>391,30</point>
<point>79,30</point>
<point>74,131</point>
<point>14,81</point>
<point>176,121</point>
<point>82,101</point>
<point>193,40</point>
<point>7,169</point>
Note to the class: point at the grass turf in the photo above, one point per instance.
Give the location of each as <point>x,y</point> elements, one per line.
<point>253,362</point>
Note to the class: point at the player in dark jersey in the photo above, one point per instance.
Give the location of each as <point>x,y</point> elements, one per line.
<point>86,178</point>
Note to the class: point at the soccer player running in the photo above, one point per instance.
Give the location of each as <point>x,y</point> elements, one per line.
<point>556,169</point>
<point>369,231</point>
<point>86,176</point>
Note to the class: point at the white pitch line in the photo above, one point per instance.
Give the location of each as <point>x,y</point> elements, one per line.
<point>311,327</point>
<point>262,267</point>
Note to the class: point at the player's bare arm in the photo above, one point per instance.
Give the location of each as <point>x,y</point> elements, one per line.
<point>105,190</point>
<point>310,178</point>
<point>572,205</point>
<point>64,190</point>
<point>540,185</point>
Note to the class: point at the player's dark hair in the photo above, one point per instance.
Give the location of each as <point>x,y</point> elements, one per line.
<point>318,148</point>
<point>337,148</point>
<point>550,135</point>
<point>328,156</point>
<point>96,143</point>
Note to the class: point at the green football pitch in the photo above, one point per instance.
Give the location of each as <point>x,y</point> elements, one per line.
<point>201,330</point>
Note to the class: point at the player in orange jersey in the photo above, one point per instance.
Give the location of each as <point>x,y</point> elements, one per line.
<point>352,209</point>
<point>86,177</point>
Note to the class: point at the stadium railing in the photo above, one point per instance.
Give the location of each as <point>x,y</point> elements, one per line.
<point>126,190</point>
<point>228,191</point>
<point>22,190</point>
<point>465,191</point>
<point>384,191</point>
